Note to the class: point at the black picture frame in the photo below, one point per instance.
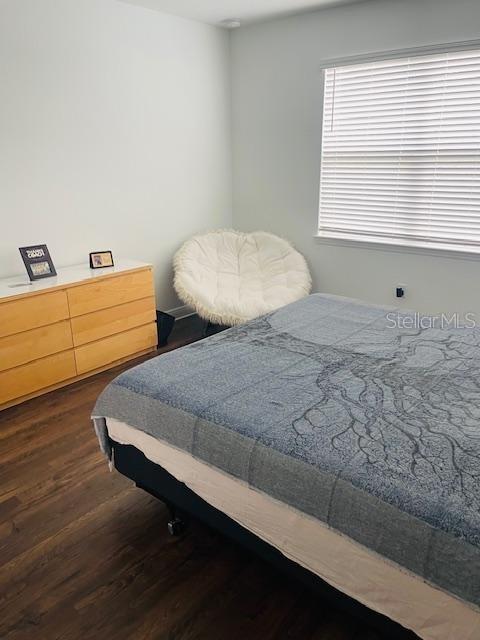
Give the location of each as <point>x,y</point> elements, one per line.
<point>97,258</point>
<point>37,261</point>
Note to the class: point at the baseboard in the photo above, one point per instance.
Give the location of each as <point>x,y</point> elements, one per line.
<point>181,312</point>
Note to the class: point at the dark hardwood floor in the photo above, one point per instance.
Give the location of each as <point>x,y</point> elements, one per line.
<point>84,554</point>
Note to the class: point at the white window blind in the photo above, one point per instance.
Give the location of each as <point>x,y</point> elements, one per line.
<point>401,151</point>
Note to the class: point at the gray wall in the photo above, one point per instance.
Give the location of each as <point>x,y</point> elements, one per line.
<point>114,132</point>
<point>277,115</point>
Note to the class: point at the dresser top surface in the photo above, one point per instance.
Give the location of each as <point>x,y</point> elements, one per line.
<point>20,286</point>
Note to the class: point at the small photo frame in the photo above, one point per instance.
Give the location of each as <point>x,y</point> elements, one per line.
<point>38,262</point>
<point>101,259</point>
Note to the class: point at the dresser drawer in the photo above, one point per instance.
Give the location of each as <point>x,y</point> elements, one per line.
<point>32,312</point>
<point>20,348</point>
<point>107,322</point>
<point>103,352</point>
<point>110,292</point>
<point>36,375</point>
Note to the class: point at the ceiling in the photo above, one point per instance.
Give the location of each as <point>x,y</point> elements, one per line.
<point>247,11</point>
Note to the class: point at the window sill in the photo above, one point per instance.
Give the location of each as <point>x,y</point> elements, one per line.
<point>439,250</point>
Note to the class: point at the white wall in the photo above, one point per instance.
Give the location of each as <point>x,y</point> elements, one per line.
<point>277,115</point>
<point>114,132</point>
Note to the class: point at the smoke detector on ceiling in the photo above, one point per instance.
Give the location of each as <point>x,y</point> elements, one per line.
<point>231,23</point>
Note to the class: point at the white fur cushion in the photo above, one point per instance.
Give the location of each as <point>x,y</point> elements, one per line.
<point>229,277</point>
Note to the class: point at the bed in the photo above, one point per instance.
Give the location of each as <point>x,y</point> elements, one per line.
<point>344,436</point>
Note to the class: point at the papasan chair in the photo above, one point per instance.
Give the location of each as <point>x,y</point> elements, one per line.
<point>230,277</point>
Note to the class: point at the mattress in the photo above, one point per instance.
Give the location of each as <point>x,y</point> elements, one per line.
<point>356,415</point>
<point>343,563</point>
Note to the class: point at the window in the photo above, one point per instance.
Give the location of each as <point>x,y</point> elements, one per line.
<point>401,151</point>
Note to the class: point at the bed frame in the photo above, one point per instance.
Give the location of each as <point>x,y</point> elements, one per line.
<point>181,500</point>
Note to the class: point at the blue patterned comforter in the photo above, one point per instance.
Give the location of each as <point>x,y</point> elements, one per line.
<point>332,407</point>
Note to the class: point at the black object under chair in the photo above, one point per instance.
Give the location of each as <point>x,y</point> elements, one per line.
<point>211,328</point>
<point>165,323</point>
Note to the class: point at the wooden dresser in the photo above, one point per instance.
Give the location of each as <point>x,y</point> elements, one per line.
<point>57,330</point>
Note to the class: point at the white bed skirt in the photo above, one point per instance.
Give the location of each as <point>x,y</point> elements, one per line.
<point>349,567</point>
